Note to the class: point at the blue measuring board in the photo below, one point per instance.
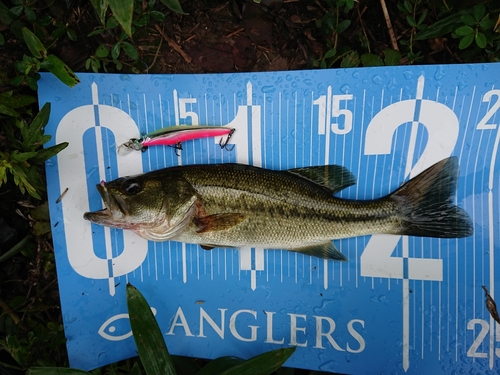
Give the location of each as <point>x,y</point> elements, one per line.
<point>399,305</point>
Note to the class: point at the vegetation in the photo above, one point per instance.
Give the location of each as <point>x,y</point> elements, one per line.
<point>135,36</point>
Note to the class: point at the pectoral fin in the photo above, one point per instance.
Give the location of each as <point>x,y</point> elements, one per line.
<point>218,222</point>
<point>325,251</point>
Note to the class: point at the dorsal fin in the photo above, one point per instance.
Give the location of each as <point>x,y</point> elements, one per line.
<point>334,177</point>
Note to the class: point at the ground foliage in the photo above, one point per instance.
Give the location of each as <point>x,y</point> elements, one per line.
<point>205,36</point>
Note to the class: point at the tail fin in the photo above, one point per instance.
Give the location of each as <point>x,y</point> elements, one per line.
<point>426,203</point>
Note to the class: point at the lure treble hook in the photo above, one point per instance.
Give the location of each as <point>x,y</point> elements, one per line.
<point>224,144</point>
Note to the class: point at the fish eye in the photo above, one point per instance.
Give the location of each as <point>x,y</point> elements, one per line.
<point>131,186</point>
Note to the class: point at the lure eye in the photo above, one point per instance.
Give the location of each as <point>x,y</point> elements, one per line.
<point>131,186</point>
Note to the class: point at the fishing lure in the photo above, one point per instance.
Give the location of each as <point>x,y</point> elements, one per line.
<point>174,136</point>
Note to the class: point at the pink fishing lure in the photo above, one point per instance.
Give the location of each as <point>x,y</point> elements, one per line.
<point>175,135</point>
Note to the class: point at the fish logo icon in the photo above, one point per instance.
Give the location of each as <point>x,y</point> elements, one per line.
<point>112,328</point>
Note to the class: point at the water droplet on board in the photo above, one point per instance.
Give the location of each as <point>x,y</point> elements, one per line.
<point>345,88</point>
<point>268,89</point>
<point>377,79</point>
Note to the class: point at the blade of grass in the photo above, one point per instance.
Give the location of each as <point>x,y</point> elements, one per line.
<point>62,71</point>
<point>34,44</point>
<point>123,10</point>
<point>15,249</point>
<point>147,335</point>
<point>219,365</point>
<point>263,364</point>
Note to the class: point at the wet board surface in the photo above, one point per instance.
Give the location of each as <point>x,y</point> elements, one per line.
<point>399,304</point>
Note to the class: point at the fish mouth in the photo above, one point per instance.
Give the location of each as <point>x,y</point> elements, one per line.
<point>113,214</point>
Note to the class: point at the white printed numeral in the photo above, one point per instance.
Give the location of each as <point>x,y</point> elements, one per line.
<point>329,106</point>
<point>180,109</point>
<point>442,128</point>
<point>482,125</point>
<point>337,112</point>
<point>485,327</point>
<point>481,336</point>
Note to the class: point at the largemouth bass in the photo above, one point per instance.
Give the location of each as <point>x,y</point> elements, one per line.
<point>234,205</point>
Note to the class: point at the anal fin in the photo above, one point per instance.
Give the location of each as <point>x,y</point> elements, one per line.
<point>325,251</point>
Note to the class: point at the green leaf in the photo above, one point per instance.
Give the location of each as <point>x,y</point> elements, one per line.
<point>48,152</point>
<point>343,26</point>
<point>159,16</point>
<point>123,10</point>
<point>112,22</point>
<point>96,32</point>
<point>71,35</point>
<point>219,365</point>
<point>468,19</point>
<point>32,133</point>
<point>96,65</point>
<point>100,7</point>
<point>5,16</point>
<point>142,20</point>
<point>173,5</point>
<point>62,71</point>
<point>330,53</point>
<point>34,44</point>
<point>263,364</point>
<point>408,6</point>
<point>480,40</point>
<point>487,23</point>
<point>115,50</point>
<point>40,212</point>
<point>369,59</point>
<point>30,14</point>
<point>4,110</point>
<point>2,40</point>
<point>478,11</point>
<point>102,51</point>
<point>147,335</point>
<point>56,34</point>
<point>17,10</point>
<point>16,101</point>
<point>411,20</point>
<point>31,81</point>
<point>392,57</point>
<point>464,30</point>
<point>45,64</point>
<point>351,60</point>
<point>55,371</point>
<point>16,81</point>
<point>422,17</point>
<point>22,156</point>
<point>441,27</point>
<point>130,50</point>
<point>466,41</point>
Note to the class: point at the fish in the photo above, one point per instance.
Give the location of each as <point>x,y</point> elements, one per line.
<point>175,135</point>
<point>237,205</point>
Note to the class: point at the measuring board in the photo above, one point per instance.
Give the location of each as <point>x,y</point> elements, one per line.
<point>400,304</point>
